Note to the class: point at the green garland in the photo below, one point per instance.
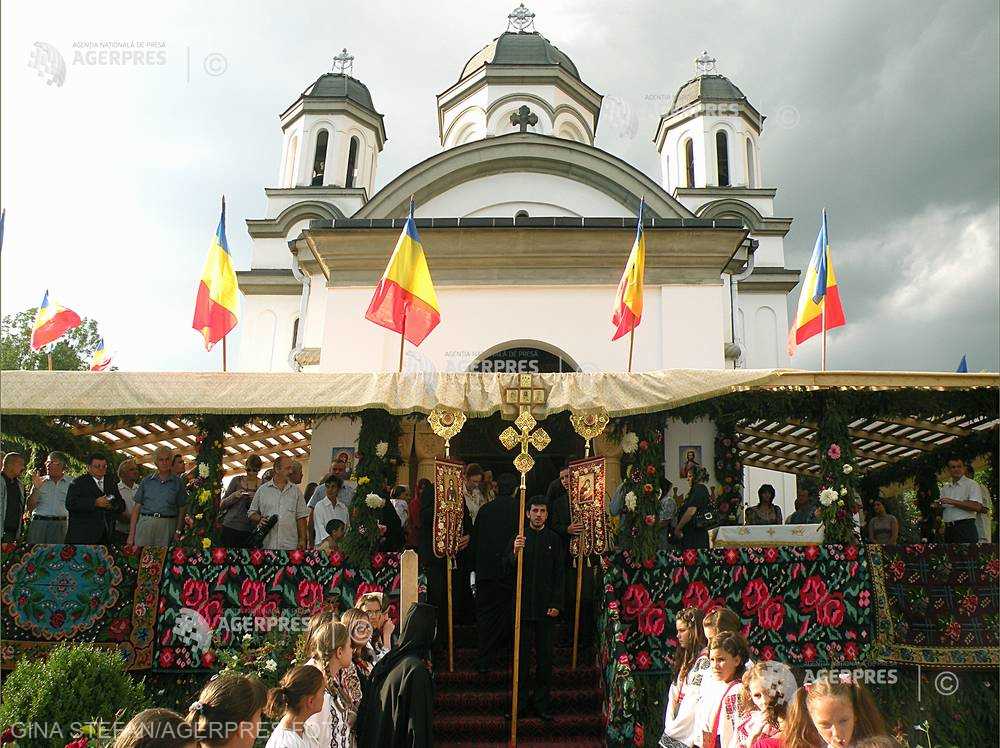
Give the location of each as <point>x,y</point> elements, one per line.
<point>728,473</point>
<point>641,440</point>
<point>378,460</point>
<point>839,498</point>
<point>202,524</point>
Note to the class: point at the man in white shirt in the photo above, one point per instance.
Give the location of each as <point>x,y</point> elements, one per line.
<point>280,497</point>
<point>326,510</point>
<point>47,501</point>
<point>338,468</point>
<point>961,501</point>
<point>128,487</point>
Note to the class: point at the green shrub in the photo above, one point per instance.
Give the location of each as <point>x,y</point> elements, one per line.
<point>47,701</point>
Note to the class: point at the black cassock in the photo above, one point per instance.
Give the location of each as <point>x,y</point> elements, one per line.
<point>542,589</point>
<point>397,707</point>
<point>492,538</point>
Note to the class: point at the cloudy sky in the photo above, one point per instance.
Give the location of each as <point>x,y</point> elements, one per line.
<point>885,113</point>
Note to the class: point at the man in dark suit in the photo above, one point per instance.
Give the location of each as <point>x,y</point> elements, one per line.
<point>94,503</point>
<point>492,534</point>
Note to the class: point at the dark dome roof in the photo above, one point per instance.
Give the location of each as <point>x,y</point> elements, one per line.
<point>520,48</point>
<point>340,86</point>
<point>706,88</point>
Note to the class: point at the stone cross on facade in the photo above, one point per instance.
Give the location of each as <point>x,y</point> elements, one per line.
<point>523,117</point>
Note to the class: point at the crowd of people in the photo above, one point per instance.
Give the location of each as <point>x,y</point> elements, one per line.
<point>355,682</point>
<point>720,698</point>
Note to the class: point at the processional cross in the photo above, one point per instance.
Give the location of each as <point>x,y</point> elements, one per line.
<point>523,396</point>
<point>523,117</point>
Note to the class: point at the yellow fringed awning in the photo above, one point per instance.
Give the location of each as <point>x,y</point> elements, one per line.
<point>85,393</point>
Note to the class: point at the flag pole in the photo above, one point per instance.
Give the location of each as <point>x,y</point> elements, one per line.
<point>223,353</point>
<point>50,360</point>
<point>823,354</point>
<point>402,341</point>
<point>631,344</point>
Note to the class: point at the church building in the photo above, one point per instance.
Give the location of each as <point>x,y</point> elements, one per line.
<point>526,225</point>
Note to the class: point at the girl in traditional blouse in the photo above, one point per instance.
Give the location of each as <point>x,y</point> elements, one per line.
<point>728,653</point>
<point>691,663</point>
<point>333,725</point>
<point>298,697</point>
<point>768,689</point>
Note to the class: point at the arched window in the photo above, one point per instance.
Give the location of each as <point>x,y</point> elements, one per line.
<point>722,157</point>
<point>293,147</point>
<point>319,162</point>
<point>751,177</point>
<point>520,214</point>
<point>352,162</point>
<point>689,162</point>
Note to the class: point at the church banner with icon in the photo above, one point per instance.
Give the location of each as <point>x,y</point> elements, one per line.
<point>447,507</point>
<point>587,491</point>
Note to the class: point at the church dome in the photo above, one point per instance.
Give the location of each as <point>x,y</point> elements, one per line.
<point>340,86</point>
<point>520,48</point>
<point>707,88</point>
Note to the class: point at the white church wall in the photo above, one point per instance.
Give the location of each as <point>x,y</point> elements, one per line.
<point>502,195</point>
<point>575,320</point>
<point>267,335</point>
<point>691,339</point>
<point>766,329</point>
<point>270,253</point>
<point>770,251</point>
<point>328,434</point>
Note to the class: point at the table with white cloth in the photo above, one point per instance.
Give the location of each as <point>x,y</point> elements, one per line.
<point>765,535</point>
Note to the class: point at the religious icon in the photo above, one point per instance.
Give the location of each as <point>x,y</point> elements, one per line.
<point>448,510</point>
<point>345,455</point>
<point>587,490</point>
<point>690,457</point>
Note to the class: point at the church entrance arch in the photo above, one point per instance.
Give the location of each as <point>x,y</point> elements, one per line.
<point>524,357</point>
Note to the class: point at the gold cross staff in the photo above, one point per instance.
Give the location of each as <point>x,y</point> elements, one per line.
<point>524,395</point>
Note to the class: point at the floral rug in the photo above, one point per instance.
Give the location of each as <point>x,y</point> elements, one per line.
<point>52,593</point>
<point>937,604</point>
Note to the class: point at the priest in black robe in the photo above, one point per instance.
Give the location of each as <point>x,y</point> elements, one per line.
<point>397,707</point>
<point>492,536</point>
<point>541,603</point>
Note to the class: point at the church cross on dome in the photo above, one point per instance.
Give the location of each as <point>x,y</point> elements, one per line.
<point>705,65</point>
<point>521,20</point>
<point>343,63</point>
<point>523,117</point>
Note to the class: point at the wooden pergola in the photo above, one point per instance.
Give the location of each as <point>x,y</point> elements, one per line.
<point>140,440</point>
<point>790,446</point>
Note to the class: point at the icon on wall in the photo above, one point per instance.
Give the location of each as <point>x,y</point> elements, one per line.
<point>690,457</point>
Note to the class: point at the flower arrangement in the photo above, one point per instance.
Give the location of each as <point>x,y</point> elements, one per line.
<point>374,501</point>
<point>629,442</point>
<point>728,473</point>
<point>381,449</point>
<point>839,498</point>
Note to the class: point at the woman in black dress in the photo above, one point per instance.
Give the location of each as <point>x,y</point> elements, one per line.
<point>694,514</point>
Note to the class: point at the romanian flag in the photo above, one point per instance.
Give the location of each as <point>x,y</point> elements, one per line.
<point>51,323</point>
<point>404,300</point>
<point>820,295</point>
<point>628,301</point>
<point>101,359</point>
<point>216,309</point>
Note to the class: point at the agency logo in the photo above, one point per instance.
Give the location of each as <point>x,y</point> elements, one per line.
<point>49,63</point>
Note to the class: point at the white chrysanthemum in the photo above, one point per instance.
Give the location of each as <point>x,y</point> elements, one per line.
<point>381,449</point>
<point>202,470</point>
<point>630,442</point>
<point>827,496</point>
<point>270,666</point>
<point>630,501</point>
<point>374,501</point>
<point>848,469</point>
